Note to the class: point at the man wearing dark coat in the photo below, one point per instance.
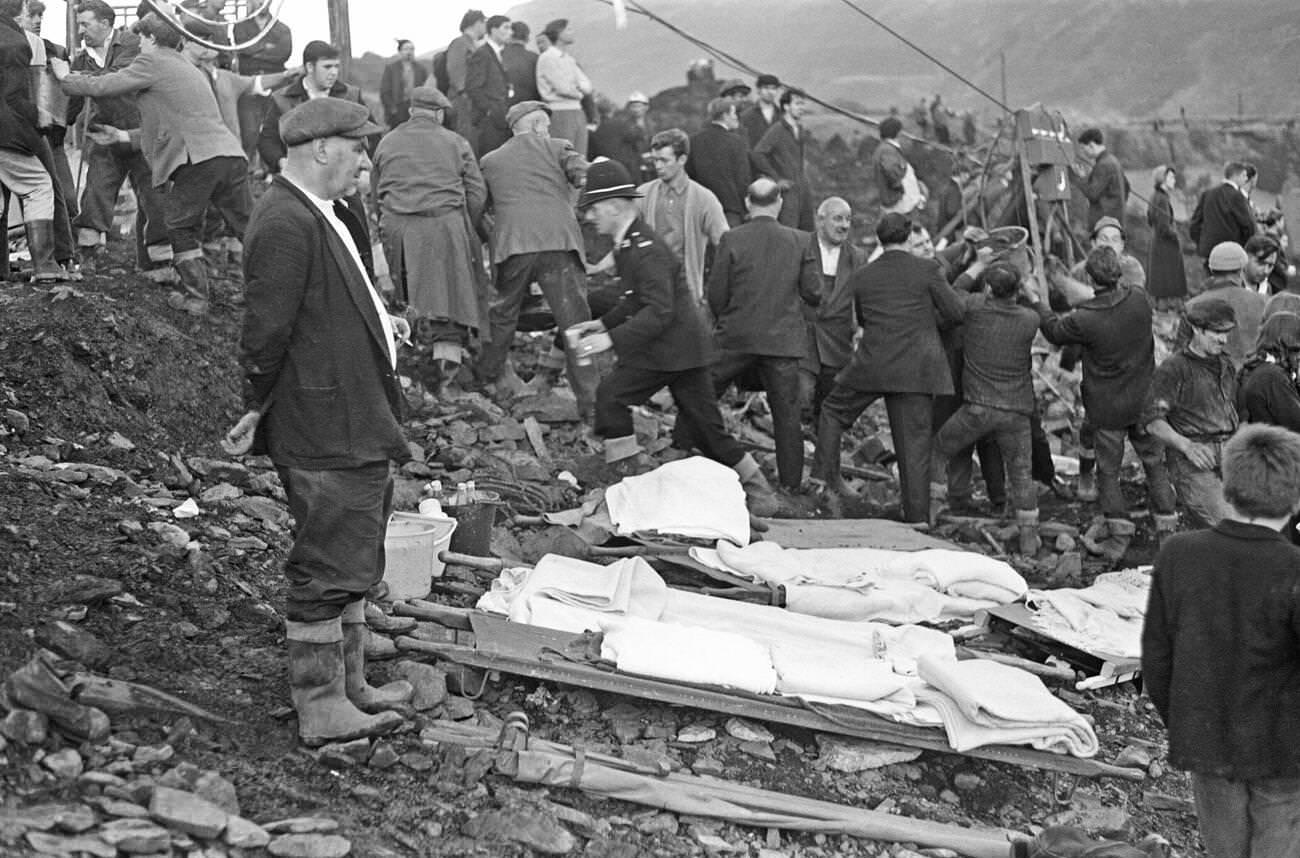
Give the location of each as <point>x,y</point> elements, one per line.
<point>901,300</point>
<point>719,159</point>
<point>1105,186</point>
<point>521,64</point>
<point>401,76</point>
<point>488,88</point>
<point>764,113</point>
<point>779,155</point>
<point>322,399</point>
<point>1223,213</point>
<point>832,322</point>
<point>658,331</point>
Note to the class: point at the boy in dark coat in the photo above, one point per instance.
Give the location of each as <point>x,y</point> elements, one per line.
<point>1221,653</point>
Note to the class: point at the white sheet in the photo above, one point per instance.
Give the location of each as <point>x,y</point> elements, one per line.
<point>690,497</point>
<point>1104,618</point>
<point>687,654</point>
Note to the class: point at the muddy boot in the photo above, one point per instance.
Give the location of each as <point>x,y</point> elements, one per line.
<point>89,258</point>
<point>1166,526</point>
<point>1087,487</point>
<point>759,496</point>
<point>363,695</point>
<point>194,277</point>
<point>1110,539</point>
<point>1027,523</point>
<point>40,243</point>
<point>318,687</point>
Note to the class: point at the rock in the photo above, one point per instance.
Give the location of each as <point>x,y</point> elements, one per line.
<point>1064,542</point>
<point>264,510</point>
<point>1161,801</point>
<point>626,731</point>
<point>535,830</point>
<point>758,750</point>
<point>605,847</point>
<point>187,812</point>
<point>53,844</point>
<point>416,762</point>
<point>383,756</point>
<point>708,767</point>
<point>696,734</point>
<point>310,846</point>
<point>843,754</point>
<point>1133,757</point>
<point>25,727</point>
<point>1087,812</point>
<point>939,852</point>
<point>1155,770</point>
<point>714,843</point>
<point>747,731</point>
<point>345,754</point>
<point>658,823</point>
<point>429,682</point>
<point>136,836</point>
<point>123,809</point>
<point>118,441</point>
<point>86,589</point>
<point>302,825</point>
<point>221,493</point>
<point>149,755</point>
<point>171,534</point>
<point>459,708</point>
<point>74,643</point>
<point>552,407</point>
<point>17,421</point>
<point>66,764</point>
<point>967,781</point>
<point>243,834</point>
<point>949,797</point>
<point>216,471</point>
<point>649,759</point>
<point>587,825</point>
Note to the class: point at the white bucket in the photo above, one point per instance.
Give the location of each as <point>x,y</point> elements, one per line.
<point>411,548</point>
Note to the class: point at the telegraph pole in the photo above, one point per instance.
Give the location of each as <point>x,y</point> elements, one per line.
<point>1002,56</point>
<point>341,35</point>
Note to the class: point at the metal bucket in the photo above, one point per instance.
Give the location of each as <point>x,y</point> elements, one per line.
<point>474,523</point>
<point>1010,244</point>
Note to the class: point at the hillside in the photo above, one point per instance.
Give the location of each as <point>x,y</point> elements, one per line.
<point>1101,58</point>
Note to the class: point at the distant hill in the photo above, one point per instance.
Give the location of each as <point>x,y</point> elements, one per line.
<point>1104,59</point>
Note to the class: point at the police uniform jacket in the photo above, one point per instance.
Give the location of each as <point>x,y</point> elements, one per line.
<point>657,324</point>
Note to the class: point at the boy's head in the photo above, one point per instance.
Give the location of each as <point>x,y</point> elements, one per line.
<point>1261,471</point>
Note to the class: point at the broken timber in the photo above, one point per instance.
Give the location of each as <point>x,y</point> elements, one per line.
<point>539,653</point>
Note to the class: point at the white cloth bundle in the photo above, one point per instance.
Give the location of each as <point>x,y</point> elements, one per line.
<point>986,703</point>
<point>690,497</point>
<point>558,584</point>
<point>812,669</point>
<point>687,654</point>
<point>1104,618</point>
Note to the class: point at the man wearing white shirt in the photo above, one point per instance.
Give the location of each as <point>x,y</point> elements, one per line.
<point>323,401</point>
<point>831,323</point>
<point>562,85</point>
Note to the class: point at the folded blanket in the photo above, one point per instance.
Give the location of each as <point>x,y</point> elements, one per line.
<point>690,497</point>
<point>687,654</point>
<point>833,672</point>
<point>986,703</point>
<point>1070,617</point>
<point>628,587</point>
<point>892,602</point>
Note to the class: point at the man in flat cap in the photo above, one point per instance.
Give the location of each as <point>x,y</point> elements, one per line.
<point>1192,409</point>
<point>660,335</point>
<point>319,352</point>
<point>190,150</point>
<point>1227,263</point>
<point>431,197</point>
<point>765,111</point>
<point>531,180</point>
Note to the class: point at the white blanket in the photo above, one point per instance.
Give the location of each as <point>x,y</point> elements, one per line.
<point>687,654</point>
<point>986,703</point>
<point>1104,618</point>
<point>563,592</point>
<point>690,497</point>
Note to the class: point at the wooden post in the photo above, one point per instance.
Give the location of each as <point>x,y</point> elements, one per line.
<point>341,35</point>
<point>70,24</point>
<point>1031,210</point>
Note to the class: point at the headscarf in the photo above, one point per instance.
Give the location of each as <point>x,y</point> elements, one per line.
<point>1158,176</point>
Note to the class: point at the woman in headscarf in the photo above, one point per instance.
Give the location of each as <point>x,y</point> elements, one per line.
<point>1166,278</point>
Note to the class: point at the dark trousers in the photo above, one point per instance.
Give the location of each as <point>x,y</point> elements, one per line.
<point>692,390</point>
<point>251,109</point>
<point>62,173</point>
<point>813,389</point>
<point>1248,819</point>
<point>106,168</point>
<point>340,518</point>
<point>909,425</point>
<point>961,467</point>
<point>1009,430</point>
<point>64,243</point>
<point>221,182</point>
<point>779,377</point>
<point>560,276</point>
<point>1110,458</point>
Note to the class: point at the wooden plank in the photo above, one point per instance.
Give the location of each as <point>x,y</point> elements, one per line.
<point>533,430</point>
<point>532,651</point>
<point>850,533</point>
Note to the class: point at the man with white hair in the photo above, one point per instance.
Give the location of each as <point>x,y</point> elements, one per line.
<point>531,179</point>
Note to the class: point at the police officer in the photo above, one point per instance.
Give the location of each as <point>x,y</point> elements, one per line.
<point>659,334</point>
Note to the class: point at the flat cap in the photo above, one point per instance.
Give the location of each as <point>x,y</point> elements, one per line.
<point>430,98</point>
<point>1227,256</point>
<point>767,80</point>
<point>734,84</point>
<point>638,97</point>
<point>522,109</point>
<point>1213,314</point>
<point>1103,222</point>
<point>326,117</point>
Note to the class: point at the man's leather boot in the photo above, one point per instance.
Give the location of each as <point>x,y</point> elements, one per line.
<point>318,687</point>
<point>40,244</point>
<point>759,495</point>
<point>1166,526</point>
<point>1027,523</point>
<point>1119,533</point>
<point>194,278</point>
<point>363,695</point>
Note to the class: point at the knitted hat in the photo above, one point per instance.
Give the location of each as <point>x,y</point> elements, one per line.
<point>1213,314</point>
<point>1227,256</point>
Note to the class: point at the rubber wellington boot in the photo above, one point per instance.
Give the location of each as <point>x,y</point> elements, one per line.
<point>1119,533</point>
<point>363,695</point>
<point>194,277</point>
<point>759,495</point>
<point>40,244</point>
<point>1027,522</point>
<point>938,501</point>
<point>1166,526</point>
<point>318,687</point>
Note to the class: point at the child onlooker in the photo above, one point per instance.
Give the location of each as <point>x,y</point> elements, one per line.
<point>1221,653</point>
